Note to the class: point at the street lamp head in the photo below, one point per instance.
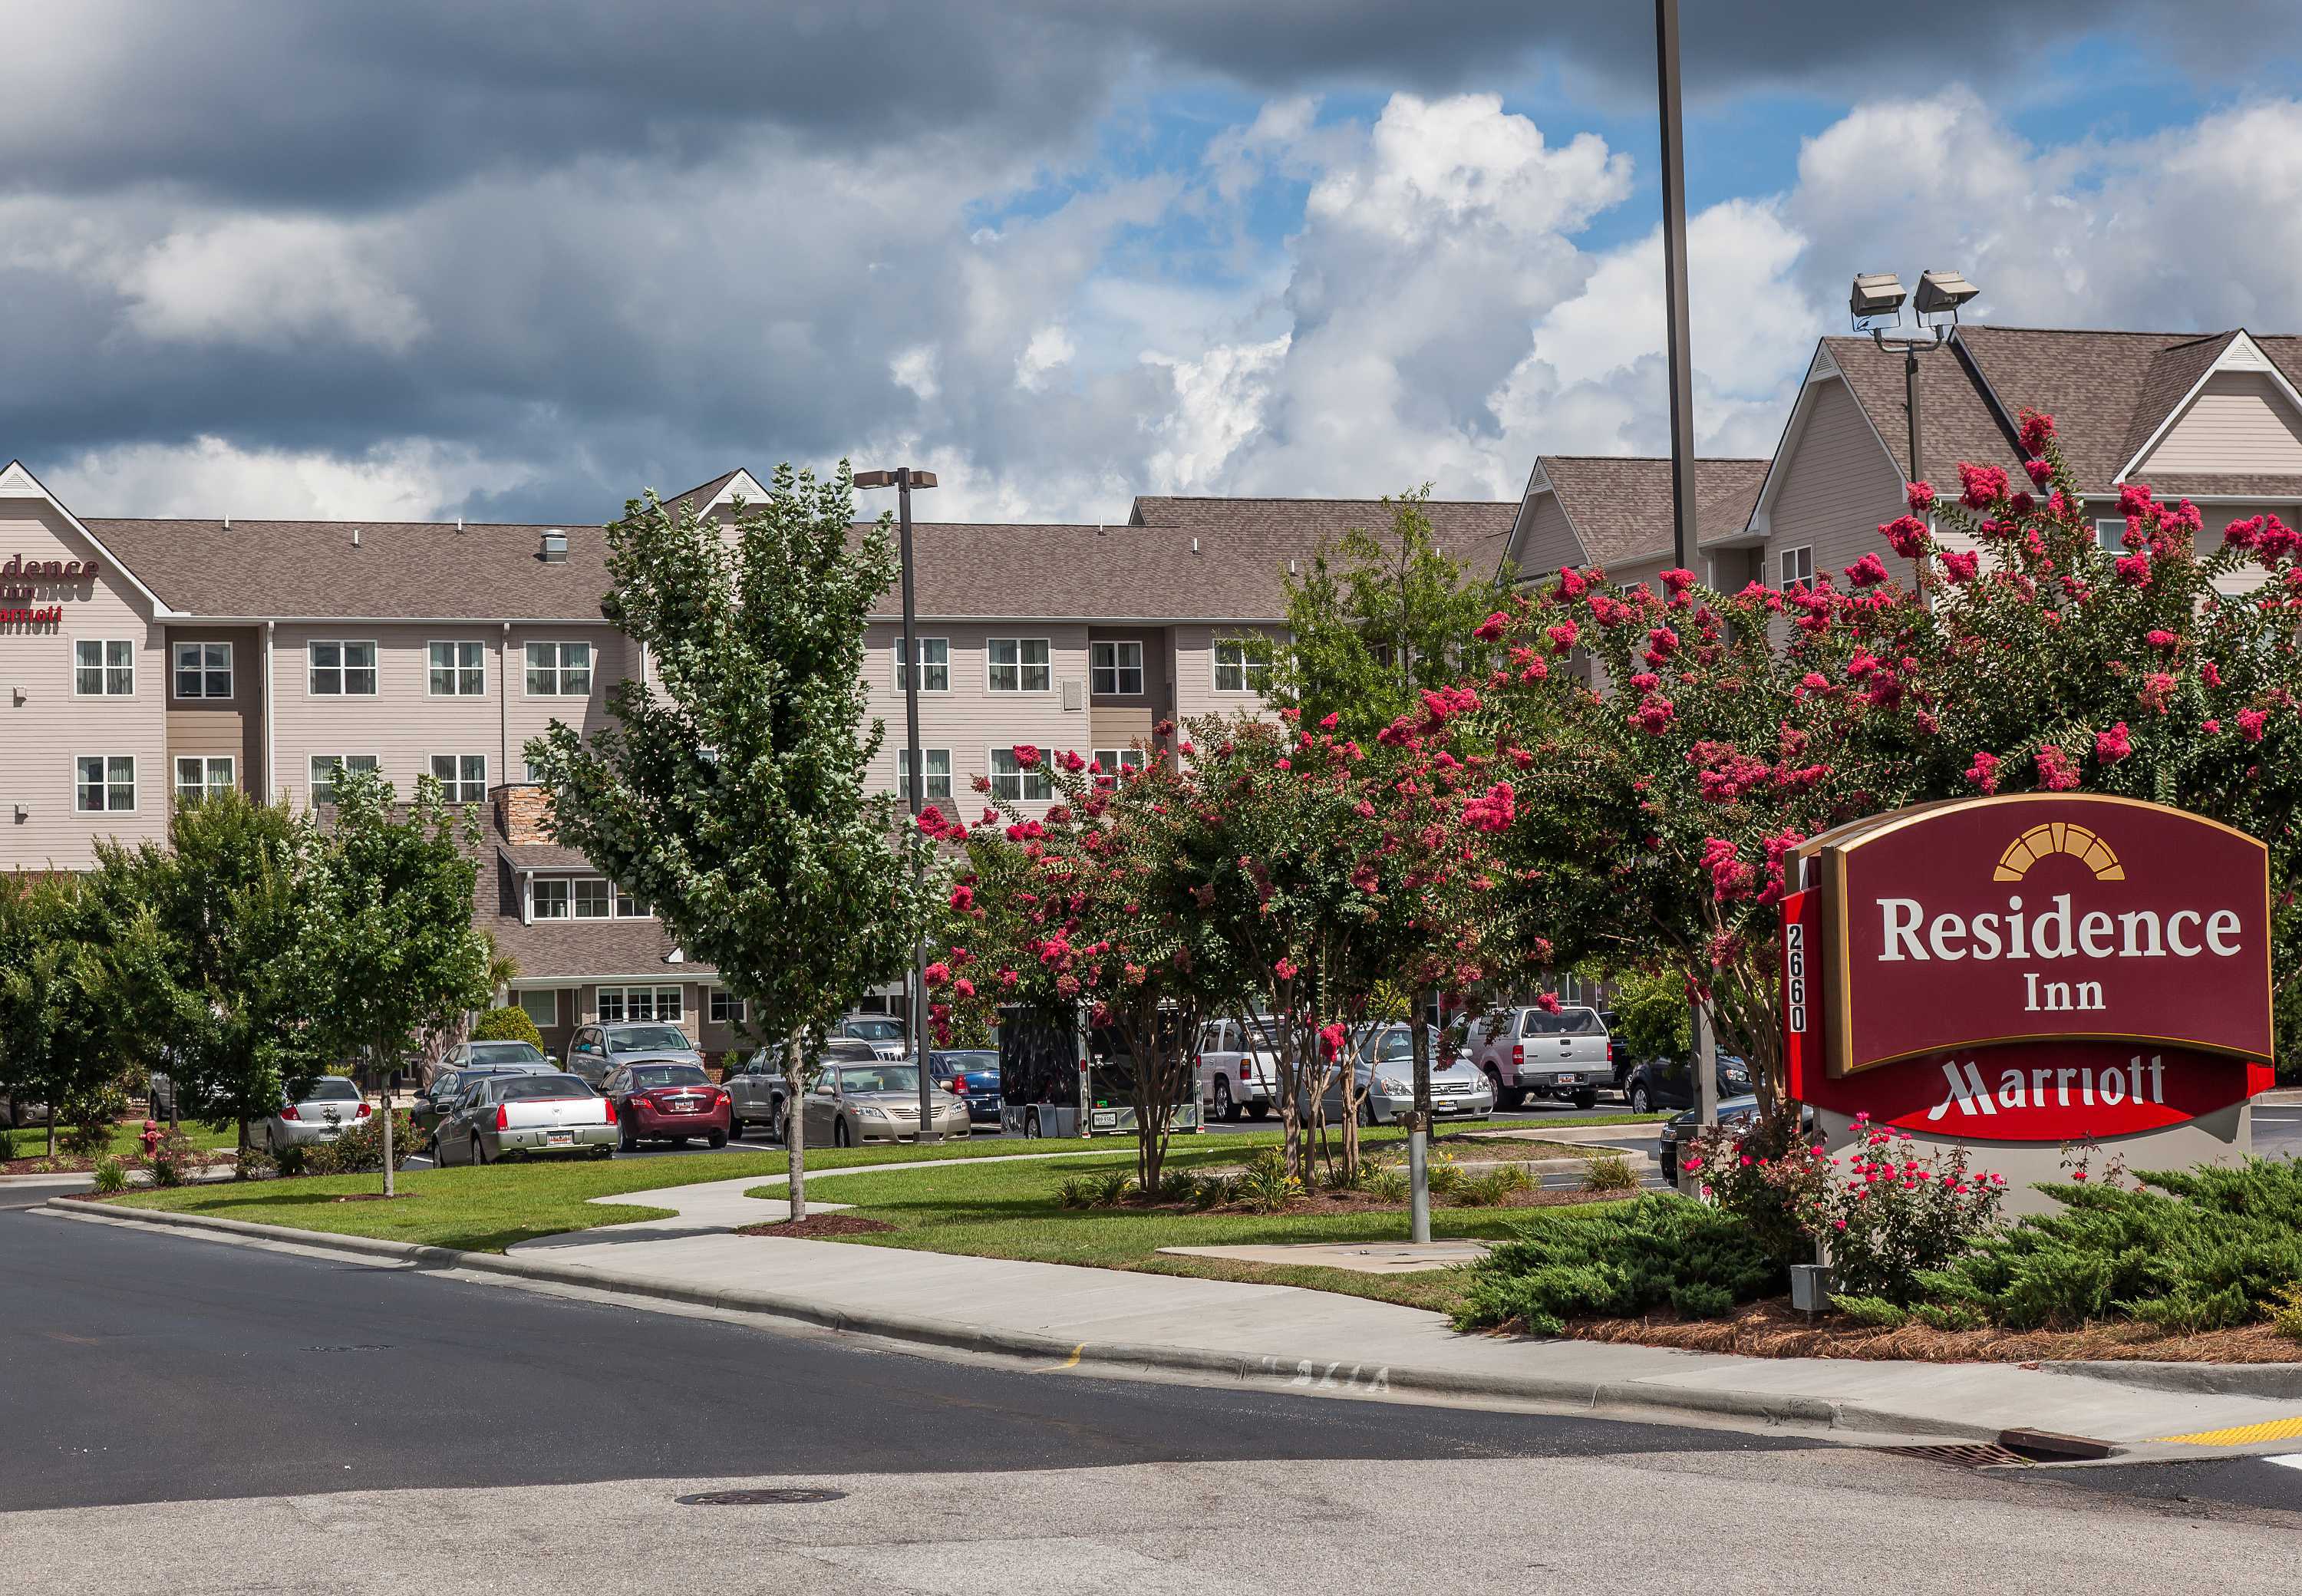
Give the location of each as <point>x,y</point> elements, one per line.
<point>1941,293</point>
<point>1876,294</point>
<point>887,479</point>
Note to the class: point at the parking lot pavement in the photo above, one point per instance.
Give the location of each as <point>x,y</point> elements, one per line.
<point>755,1143</point>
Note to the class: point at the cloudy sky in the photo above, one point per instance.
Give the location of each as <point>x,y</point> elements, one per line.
<point>519,260</point>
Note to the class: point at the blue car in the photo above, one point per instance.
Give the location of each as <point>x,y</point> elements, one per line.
<point>976,1071</point>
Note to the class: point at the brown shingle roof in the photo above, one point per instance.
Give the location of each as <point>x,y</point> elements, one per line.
<point>399,570</point>
<point>575,949</point>
<point>1621,506</point>
<point>1960,423</point>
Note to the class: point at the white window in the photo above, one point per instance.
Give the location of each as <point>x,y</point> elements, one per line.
<point>202,776</point>
<point>937,762</point>
<point>542,1007</point>
<point>343,669</point>
<point>726,1011</point>
<point>1116,669</point>
<point>458,669</point>
<point>628,907</point>
<point>2110,534</point>
<point>559,669</point>
<point>593,898</point>
<point>1115,760</point>
<point>203,670</point>
<point>324,767</point>
<point>935,665</point>
<point>1235,672</point>
<point>1011,781</point>
<point>640,1002</point>
<point>104,667</point>
<point>463,778</point>
<point>531,772</point>
<point>106,784</point>
<point>1020,665</point>
<point>548,899</point>
<point>1798,567</point>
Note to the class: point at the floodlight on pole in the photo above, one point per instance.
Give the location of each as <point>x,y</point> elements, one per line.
<point>1876,304</point>
<point>904,479</point>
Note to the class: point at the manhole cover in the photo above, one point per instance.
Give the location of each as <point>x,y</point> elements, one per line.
<point>758,1498</point>
<point>1977,1455</point>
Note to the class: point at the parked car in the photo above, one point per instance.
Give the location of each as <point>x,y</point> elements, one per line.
<point>1383,1066</point>
<point>972,1074</point>
<point>755,1089</point>
<point>1680,1129</point>
<point>596,1049</point>
<point>465,1056</point>
<point>857,1102</point>
<point>433,1103</point>
<point>661,1102</point>
<point>1238,1070</point>
<point>884,1034</point>
<point>21,1111</point>
<point>320,1112</point>
<point>1532,1052</point>
<point>1669,1083</point>
<point>507,1116</point>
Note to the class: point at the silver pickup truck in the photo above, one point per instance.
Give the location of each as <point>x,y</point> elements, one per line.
<point>1531,1052</point>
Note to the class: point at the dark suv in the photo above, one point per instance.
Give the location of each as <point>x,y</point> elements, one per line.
<point>976,1073</point>
<point>1669,1083</point>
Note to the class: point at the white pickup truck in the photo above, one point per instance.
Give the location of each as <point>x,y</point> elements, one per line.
<point>508,1116</point>
<point>1532,1052</point>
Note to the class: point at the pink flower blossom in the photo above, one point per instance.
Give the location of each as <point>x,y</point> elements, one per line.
<point>1563,635</point>
<point>1678,579</point>
<point>1961,568</point>
<point>1286,969</point>
<point>1493,628</point>
<point>1866,572</point>
<point>1654,715</point>
<point>1547,1002</point>
<point>2210,674</point>
<point>1027,754</point>
<point>2250,723</point>
<point>963,898</point>
<point>1983,772</point>
<point>1494,810</point>
<point>2038,432</point>
<point>2161,638</point>
<point>2041,472</point>
<point>2054,772</point>
<point>2112,745</point>
<point>1920,495</point>
<point>2133,569</point>
<point>1906,536</point>
<point>1981,485</point>
<point>937,973</point>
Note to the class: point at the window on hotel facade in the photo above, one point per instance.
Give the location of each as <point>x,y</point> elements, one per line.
<point>104,667</point>
<point>459,669</point>
<point>559,669</point>
<point>1115,760</point>
<point>1020,665</point>
<point>203,670</point>
<point>344,670</point>
<point>1236,673</point>
<point>2110,534</point>
<point>628,907</point>
<point>202,776</point>
<point>1116,668</point>
<point>1798,567</point>
<point>324,767</point>
<point>937,762</point>
<point>463,778</point>
<point>595,900</point>
<point>548,899</point>
<point>640,1002</point>
<point>724,1009</point>
<point>106,784</point>
<point>541,1006</point>
<point>1011,781</point>
<point>935,665</point>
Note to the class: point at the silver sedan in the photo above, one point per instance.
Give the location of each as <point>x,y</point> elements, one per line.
<point>320,1112</point>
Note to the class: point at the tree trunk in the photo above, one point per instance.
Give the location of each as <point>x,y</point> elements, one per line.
<point>795,1125</point>
<point>386,1090</point>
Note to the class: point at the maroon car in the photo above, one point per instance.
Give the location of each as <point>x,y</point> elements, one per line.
<point>667,1102</point>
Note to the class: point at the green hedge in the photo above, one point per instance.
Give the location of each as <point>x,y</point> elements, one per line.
<point>1618,1259</point>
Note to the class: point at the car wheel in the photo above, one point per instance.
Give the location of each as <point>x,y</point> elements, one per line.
<point>1640,1101</point>
<point>1586,1099</point>
<point>734,1129</point>
<point>479,1151</point>
<point>1367,1111</point>
<point>627,1139</point>
<point>1031,1123</point>
<point>1258,1111</point>
<point>679,1143</point>
<point>1225,1109</point>
<point>717,1138</point>
<point>839,1136</point>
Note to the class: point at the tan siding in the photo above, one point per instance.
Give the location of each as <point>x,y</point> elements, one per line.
<point>40,736</point>
<point>2238,422</point>
<point>1838,485</point>
<point>970,720</point>
<point>232,726</point>
<point>1196,693</point>
<point>1549,541</point>
<point>2247,576</point>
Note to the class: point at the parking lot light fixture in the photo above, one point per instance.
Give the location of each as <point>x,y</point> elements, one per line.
<point>1875,304</point>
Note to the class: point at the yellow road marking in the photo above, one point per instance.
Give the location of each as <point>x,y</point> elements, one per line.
<point>2239,1435</point>
<point>1070,1363</point>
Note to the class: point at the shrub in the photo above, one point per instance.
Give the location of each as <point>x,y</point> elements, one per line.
<point>111,1175</point>
<point>2285,1310</point>
<point>87,1120</point>
<point>1077,1191</point>
<point>1609,1171</point>
<point>1496,1186</point>
<point>359,1150</point>
<point>1266,1185</point>
<point>173,1159</point>
<point>1442,1175</point>
<point>255,1165</point>
<point>1875,1313</point>
<point>1177,1185</point>
<point>1619,1259</point>
<point>507,1025</point>
<point>1212,1191</point>
<point>1387,1183</point>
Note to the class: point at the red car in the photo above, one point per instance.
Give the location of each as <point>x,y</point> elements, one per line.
<point>667,1102</point>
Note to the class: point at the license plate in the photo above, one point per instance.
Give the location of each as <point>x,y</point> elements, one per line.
<point>1570,1081</point>
<point>558,1139</point>
<point>683,1107</point>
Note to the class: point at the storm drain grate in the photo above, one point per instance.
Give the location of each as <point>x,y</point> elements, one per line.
<point>1972,1455</point>
<point>759,1499</point>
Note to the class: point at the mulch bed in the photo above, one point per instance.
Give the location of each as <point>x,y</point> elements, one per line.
<point>1360,1202</point>
<point>1773,1328</point>
<point>815,1227</point>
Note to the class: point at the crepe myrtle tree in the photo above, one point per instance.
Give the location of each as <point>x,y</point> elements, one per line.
<point>728,788</point>
<point>2011,653</point>
<point>1086,902</point>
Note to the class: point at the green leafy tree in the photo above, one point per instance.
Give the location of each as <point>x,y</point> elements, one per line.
<point>395,946</point>
<point>729,791</point>
<point>60,1039</point>
<point>1379,617</point>
<point>507,1025</point>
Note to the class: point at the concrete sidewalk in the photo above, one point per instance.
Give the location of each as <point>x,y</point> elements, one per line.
<point>1107,1321</point>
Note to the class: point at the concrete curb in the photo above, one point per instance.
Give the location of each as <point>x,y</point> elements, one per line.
<point>1317,1373</point>
<point>2279,1381</point>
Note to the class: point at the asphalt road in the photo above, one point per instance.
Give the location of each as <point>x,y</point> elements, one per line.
<point>188,1414</point>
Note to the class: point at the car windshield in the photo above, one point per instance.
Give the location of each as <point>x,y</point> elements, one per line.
<point>876,1030</point>
<point>332,1089</point>
<point>647,1077</point>
<point>1397,1046</point>
<point>506,1053</point>
<point>885,1078</point>
<point>641,1038</point>
<point>1566,1022</point>
<point>968,1063</point>
<point>521,1087</point>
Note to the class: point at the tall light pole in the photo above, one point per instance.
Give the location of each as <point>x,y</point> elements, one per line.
<point>904,479</point>
<point>1685,544</point>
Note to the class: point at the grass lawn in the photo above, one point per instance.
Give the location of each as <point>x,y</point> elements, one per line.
<point>1489,1127</point>
<point>488,1209</point>
<point>1009,1211</point>
<point>32,1141</point>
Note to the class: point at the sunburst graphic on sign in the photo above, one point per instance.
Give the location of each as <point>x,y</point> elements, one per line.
<point>2058,836</point>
